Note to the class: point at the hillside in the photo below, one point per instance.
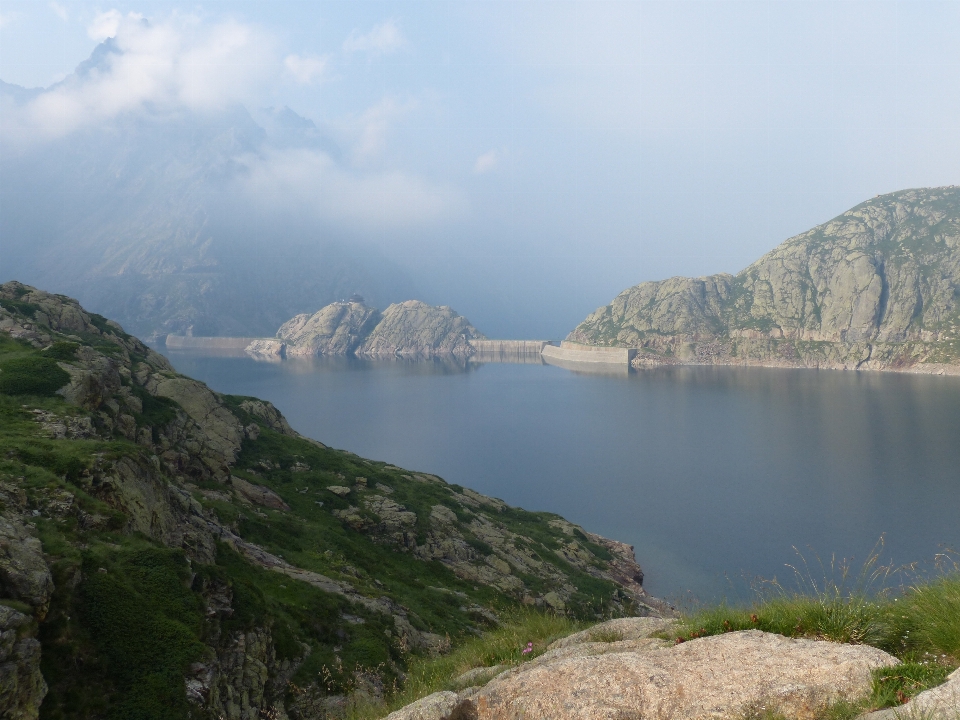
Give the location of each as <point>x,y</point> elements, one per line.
<point>169,552</point>
<point>410,328</point>
<point>875,288</point>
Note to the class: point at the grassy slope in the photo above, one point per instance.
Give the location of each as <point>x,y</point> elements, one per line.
<point>129,616</point>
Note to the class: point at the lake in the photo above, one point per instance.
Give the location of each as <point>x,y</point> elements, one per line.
<point>713,474</point>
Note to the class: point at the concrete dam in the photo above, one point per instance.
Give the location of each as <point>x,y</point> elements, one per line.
<point>570,355</point>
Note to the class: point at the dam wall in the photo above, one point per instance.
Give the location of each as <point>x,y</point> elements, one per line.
<point>570,352</point>
<point>188,342</point>
<point>507,351</point>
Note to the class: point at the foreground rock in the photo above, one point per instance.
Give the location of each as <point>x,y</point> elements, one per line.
<point>872,289</point>
<point>616,670</point>
<point>410,328</point>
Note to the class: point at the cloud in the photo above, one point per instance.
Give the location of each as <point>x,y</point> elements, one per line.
<point>486,162</point>
<point>372,127</point>
<point>306,69</point>
<point>60,11</point>
<point>382,39</point>
<point>161,66</point>
<point>106,24</point>
<point>7,19</point>
<point>308,182</point>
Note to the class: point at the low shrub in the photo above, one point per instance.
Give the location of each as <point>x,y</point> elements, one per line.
<point>31,376</point>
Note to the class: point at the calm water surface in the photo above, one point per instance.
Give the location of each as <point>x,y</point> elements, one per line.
<point>713,474</point>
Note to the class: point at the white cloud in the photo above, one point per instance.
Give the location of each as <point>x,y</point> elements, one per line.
<point>164,66</point>
<point>372,127</point>
<point>382,39</point>
<point>309,182</point>
<point>106,24</point>
<point>60,11</point>
<point>486,162</point>
<point>305,69</point>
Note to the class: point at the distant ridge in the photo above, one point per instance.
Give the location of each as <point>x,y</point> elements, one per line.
<point>875,288</point>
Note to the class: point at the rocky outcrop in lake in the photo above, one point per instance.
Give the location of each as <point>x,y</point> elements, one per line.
<point>875,288</point>
<point>410,329</point>
<point>168,551</point>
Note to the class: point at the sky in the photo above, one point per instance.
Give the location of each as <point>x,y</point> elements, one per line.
<point>527,161</point>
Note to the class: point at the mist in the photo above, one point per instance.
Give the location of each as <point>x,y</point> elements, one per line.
<point>522,162</point>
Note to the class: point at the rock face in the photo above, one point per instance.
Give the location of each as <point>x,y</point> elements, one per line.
<point>415,328</point>
<point>410,328</point>
<point>22,687</point>
<point>162,545</point>
<point>337,329</point>
<point>875,288</point>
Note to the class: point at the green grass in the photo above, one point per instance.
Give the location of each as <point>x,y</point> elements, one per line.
<point>31,376</point>
<point>919,624</point>
<point>502,646</point>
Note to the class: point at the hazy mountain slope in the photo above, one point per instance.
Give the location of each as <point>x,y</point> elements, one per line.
<point>874,287</point>
<point>142,219</point>
<point>168,552</point>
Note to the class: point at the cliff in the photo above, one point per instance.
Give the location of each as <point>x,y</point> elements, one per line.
<point>169,552</point>
<point>875,288</point>
<point>410,328</point>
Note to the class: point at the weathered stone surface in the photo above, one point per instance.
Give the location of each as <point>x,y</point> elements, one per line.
<point>409,328</point>
<point>22,687</point>
<point>433,707</point>
<point>266,413</point>
<point>24,574</point>
<point>336,329</point>
<point>267,349</point>
<point>724,676</point>
<point>258,494</point>
<point>871,289</point>
<point>415,328</point>
<point>939,703</point>
<point>619,629</point>
<point>222,432</point>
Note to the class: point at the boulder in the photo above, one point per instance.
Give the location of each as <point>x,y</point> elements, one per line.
<point>433,707</point>
<point>725,676</point>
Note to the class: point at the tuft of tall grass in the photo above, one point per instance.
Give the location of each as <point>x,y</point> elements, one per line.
<point>840,605</point>
<point>503,645</point>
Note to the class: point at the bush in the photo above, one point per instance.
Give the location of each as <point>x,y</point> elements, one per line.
<point>31,376</point>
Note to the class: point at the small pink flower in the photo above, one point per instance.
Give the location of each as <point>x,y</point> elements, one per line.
<point>527,649</point>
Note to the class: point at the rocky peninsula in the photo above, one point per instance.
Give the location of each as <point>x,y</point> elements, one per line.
<point>873,289</point>
<point>170,552</point>
<point>408,329</point>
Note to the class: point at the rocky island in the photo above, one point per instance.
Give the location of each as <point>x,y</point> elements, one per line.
<point>410,329</point>
<point>875,288</point>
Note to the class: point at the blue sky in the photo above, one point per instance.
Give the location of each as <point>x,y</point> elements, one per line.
<point>551,154</point>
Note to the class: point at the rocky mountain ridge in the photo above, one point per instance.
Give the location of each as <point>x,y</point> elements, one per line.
<point>167,552</point>
<point>875,288</point>
<point>411,328</point>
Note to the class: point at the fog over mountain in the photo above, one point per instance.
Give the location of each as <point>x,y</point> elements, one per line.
<point>225,167</point>
<point>148,218</point>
